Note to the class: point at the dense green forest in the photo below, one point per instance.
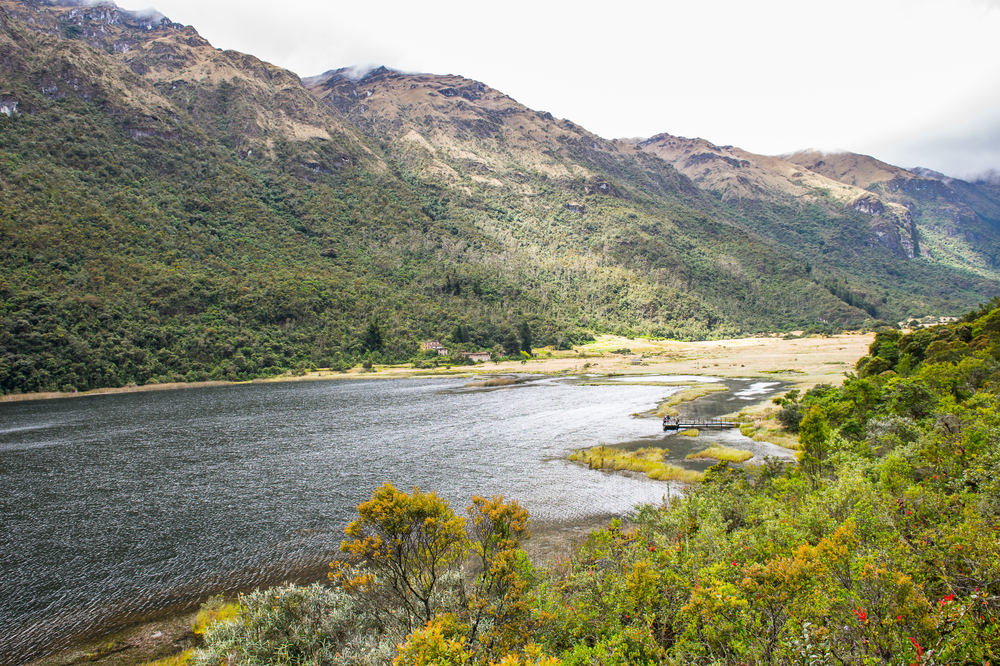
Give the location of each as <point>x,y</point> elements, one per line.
<point>882,546</point>
<point>169,262</point>
<point>159,225</point>
<point>161,261</point>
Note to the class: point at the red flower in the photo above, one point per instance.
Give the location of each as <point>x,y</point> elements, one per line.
<point>863,616</point>
<point>920,650</point>
<point>944,600</point>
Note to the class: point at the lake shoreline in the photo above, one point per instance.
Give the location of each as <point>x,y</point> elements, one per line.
<point>130,640</point>
<point>167,631</point>
<point>823,360</point>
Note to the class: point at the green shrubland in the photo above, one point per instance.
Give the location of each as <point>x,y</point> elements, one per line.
<point>880,547</point>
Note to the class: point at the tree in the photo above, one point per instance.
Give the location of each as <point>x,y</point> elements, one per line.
<point>498,598</point>
<point>407,542</point>
<point>814,438</point>
<point>525,337</point>
<point>460,334</point>
<point>791,414</point>
<point>373,336</point>
<point>509,342</point>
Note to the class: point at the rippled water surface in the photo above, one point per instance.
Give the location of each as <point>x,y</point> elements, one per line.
<point>115,505</point>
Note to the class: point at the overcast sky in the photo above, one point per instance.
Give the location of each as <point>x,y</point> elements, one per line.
<point>911,82</point>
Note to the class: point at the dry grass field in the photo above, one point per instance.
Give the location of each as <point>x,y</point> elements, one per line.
<point>803,361</point>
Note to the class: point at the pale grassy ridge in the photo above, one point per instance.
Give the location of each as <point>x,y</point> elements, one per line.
<point>722,453</point>
<point>649,461</point>
<point>666,408</point>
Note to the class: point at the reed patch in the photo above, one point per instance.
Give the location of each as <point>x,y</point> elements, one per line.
<point>648,461</point>
<point>722,453</point>
<point>770,431</point>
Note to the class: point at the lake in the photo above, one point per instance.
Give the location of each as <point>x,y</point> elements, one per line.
<point>115,506</point>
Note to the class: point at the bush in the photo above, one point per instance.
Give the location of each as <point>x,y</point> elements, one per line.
<point>216,609</point>
<point>790,416</point>
<point>289,625</point>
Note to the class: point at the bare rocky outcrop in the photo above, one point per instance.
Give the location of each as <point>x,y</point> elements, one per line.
<point>164,81</point>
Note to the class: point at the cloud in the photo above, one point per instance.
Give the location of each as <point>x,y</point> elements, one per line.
<point>149,14</point>
<point>357,72</point>
<point>966,151</point>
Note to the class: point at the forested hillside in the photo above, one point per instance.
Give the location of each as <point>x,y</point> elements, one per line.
<point>172,212</point>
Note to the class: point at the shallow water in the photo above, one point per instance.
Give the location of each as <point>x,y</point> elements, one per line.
<point>116,505</point>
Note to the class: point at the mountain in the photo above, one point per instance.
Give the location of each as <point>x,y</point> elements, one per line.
<point>173,212</point>
<point>945,221</point>
<point>162,78</point>
<point>559,192</point>
<point>464,127</point>
<point>958,222</point>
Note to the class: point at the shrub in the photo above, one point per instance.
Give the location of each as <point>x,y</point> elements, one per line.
<point>790,416</point>
<point>289,624</point>
<point>216,609</point>
<point>408,541</point>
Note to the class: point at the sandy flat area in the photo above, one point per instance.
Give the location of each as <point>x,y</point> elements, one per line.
<point>806,361</point>
<point>803,361</point>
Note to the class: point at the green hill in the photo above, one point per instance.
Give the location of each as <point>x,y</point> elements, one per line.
<point>173,212</point>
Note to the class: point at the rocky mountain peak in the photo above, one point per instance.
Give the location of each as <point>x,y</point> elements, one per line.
<point>924,172</point>
<point>101,25</point>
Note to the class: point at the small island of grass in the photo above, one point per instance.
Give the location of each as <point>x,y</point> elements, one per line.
<point>649,461</point>
<point>723,453</point>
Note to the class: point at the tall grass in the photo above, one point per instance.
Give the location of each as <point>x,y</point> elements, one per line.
<point>763,432</point>
<point>216,609</point>
<point>722,453</point>
<point>649,461</point>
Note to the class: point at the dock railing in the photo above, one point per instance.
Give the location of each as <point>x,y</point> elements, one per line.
<point>712,423</point>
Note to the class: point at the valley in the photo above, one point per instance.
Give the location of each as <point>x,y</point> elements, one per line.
<point>233,281</point>
<point>176,213</point>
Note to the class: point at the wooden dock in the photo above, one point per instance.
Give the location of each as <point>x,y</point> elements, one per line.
<point>687,425</point>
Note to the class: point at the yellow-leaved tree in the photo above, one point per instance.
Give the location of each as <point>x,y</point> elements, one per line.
<point>497,607</point>
<point>406,543</point>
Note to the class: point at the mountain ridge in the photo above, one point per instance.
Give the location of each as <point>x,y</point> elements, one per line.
<point>236,220</point>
